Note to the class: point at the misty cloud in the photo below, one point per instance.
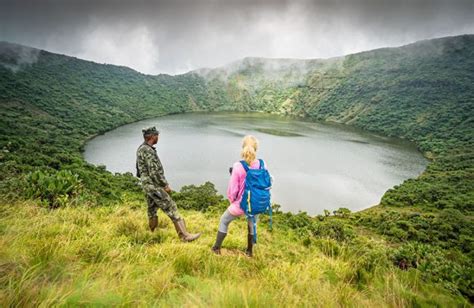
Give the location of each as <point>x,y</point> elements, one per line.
<point>129,47</point>
<point>15,57</point>
<point>177,36</point>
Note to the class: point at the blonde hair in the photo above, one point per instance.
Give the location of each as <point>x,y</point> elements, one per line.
<point>249,149</point>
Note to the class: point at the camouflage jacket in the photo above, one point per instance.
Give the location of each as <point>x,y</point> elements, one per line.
<point>149,167</point>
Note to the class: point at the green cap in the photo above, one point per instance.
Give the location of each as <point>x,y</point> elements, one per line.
<point>150,131</point>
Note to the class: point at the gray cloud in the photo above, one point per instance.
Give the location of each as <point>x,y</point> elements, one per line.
<point>178,36</point>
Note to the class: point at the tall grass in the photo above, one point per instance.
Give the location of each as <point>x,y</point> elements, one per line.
<point>105,256</point>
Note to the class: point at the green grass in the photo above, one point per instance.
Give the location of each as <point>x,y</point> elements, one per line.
<point>102,256</point>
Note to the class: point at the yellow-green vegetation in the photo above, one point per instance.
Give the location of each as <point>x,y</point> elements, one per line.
<point>106,256</point>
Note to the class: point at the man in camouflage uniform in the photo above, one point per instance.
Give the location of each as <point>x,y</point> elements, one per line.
<point>156,188</point>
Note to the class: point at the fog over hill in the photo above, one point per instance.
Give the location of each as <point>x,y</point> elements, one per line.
<point>173,37</point>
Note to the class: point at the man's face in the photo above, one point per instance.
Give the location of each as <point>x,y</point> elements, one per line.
<point>155,139</point>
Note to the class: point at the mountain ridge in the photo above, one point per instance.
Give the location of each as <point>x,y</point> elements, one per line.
<point>252,58</point>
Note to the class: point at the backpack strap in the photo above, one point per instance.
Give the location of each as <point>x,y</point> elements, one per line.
<point>245,165</point>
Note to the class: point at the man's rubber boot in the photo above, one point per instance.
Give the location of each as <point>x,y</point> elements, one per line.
<point>153,223</point>
<point>249,250</point>
<point>183,234</point>
<point>219,239</point>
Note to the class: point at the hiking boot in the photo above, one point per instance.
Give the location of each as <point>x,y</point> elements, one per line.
<point>183,233</point>
<point>219,239</point>
<point>249,251</point>
<point>153,223</point>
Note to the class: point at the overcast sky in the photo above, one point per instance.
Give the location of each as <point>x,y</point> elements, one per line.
<point>177,36</point>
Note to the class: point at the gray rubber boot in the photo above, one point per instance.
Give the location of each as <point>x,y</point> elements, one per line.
<point>219,239</point>
<point>183,234</point>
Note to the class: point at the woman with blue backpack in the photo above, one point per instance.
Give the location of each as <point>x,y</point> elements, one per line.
<point>248,193</point>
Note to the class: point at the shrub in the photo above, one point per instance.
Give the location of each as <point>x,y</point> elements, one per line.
<point>453,270</point>
<point>334,229</point>
<point>56,189</point>
<point>342,212</point>
<point>199,198</point>
<point>298,221</point>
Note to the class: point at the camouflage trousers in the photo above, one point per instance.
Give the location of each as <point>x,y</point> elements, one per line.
<point>160,199</point>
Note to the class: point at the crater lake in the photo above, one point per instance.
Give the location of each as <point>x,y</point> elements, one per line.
<point>315,165</point>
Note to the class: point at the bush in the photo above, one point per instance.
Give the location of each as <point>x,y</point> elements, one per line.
<point>56,189</point>
<point>298,221</point>
<point>200,198</point>
<point>342,212</point>
<point>452,270</point>
<point>334,229</point>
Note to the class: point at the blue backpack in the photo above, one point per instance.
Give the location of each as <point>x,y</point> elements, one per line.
<point>256,197</point>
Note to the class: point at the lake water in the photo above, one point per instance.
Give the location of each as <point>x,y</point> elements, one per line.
<point>315,166</point>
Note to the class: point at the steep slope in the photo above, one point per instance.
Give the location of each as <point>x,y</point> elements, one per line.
<point>419,91</point>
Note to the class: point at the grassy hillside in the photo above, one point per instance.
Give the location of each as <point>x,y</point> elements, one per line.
<point>416,245</point>
<point>105,256</point>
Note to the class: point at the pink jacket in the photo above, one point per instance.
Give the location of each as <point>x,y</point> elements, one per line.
<point>235,190</point>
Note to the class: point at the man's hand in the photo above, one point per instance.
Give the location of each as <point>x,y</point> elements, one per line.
<point>167,189</point>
